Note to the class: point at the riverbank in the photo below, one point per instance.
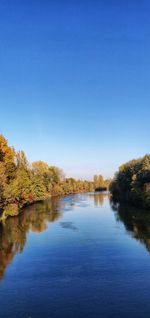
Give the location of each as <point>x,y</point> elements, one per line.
<point>22,183</point>
<point>12,210</point>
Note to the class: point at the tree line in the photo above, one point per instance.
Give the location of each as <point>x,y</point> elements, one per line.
<point>132,182</point>
<point>22,183</point>
<point>100,183</point>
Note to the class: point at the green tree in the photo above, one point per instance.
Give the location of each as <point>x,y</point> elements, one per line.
<point>132,182</point>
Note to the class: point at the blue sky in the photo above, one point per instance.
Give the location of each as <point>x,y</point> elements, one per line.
<point>75,82</point>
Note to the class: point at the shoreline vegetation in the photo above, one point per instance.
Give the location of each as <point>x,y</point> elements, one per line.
<point>22,183</point>
<point>132,183</point>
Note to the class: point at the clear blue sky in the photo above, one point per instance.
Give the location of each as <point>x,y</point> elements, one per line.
<point>75,81</point>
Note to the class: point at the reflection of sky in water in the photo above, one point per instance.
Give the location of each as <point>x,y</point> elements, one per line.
<point>67,255</point>
<point>84,200</point>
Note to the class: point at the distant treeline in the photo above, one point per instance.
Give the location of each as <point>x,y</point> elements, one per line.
<point>132,182</point>
<point>22,183</point>
<point>100,183</point>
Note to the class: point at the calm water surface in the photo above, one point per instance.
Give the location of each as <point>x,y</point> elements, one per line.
<point>78,256</point>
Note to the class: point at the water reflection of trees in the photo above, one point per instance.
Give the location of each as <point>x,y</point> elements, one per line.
<point>13,233</point>
<point>99,197</point>
<point>136,222</point>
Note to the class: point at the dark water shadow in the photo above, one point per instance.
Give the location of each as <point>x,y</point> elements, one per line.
<point>68,225</point>
<point>135,220</point>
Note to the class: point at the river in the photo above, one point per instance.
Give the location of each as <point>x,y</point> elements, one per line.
<point>77,256</point>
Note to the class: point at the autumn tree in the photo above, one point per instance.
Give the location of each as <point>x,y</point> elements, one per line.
<point>22,183</point>
<point>7,166</point>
